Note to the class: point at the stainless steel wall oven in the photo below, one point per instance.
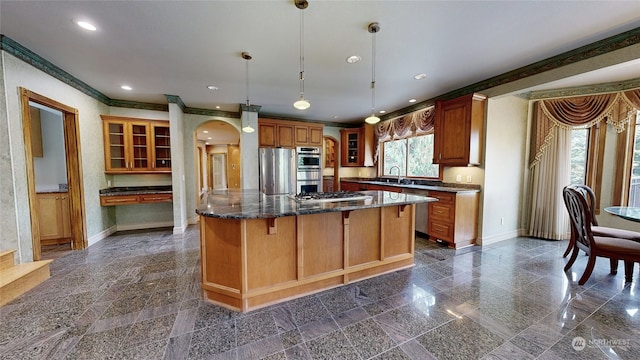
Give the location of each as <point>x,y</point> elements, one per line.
<point>309,171</point>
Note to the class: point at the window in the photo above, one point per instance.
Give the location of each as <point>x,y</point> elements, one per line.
<point>412,156</point>
<point>579,155</point>
<point>634,181</point>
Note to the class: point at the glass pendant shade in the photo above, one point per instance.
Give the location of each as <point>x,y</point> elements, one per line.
<point>301,104</point>
<point>372,119</point>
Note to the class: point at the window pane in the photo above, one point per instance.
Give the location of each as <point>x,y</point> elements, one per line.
<point>420,162</point>
<point>395,154</point>
<point>579,151</point>
<point>634,186</point>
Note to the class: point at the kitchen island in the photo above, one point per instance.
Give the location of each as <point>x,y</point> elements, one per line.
<point>257,250</point>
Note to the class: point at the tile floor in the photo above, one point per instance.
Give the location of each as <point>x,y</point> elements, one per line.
<point>137,296</point>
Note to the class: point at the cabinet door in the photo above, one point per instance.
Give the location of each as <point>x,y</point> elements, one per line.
<point>161,148</point>
<point>351,154</point>
<point>315,136</point>
<point>65,215</point>
<point>302,135</point>
<point>115,146</point>
<point>451,140</point>
<point>140,146</point>
<point>267,135</point>
<point>285,136</point>
<point>50,216</point>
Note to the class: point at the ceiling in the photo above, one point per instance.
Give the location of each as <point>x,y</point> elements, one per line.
<point>180,47</point>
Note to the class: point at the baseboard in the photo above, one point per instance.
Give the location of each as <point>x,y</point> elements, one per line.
<point>101,235</point>
<point>193,220</point>
<point>499,237</point>
<point>144,226</point>
<point>177,230</point>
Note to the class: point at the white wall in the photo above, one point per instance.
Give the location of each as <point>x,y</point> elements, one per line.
<point>504,164</point>
<point>50,170</point>
<point>15,217</point>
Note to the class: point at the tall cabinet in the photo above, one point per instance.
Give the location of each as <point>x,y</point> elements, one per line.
<point>136,145</point>
<point>458,131</point>
<point>356,146</point>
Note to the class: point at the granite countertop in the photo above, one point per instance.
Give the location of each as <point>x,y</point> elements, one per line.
<point>418,184</point>
<point>135,190</point>
<point>252,204</point>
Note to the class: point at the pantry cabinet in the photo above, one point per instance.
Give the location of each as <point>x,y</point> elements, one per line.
<point>136,145</point>
<point>458,131</point>
<point>54,218</point>
<point>288,134</point>
<point>356,146</point>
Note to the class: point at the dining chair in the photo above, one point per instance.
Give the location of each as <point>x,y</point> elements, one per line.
<point>597,230</point>
<point>596,246</point>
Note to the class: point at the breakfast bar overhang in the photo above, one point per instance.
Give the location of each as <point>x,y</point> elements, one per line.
<point>258,250</point>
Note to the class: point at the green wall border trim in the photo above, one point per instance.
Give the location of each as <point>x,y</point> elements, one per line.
<point>175,99</point>
<point>14,48</point>
<point>612,43</point>
<point>138,105</point>
<point>604,88</point>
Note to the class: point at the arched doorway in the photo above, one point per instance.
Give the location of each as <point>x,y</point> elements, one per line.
<point>218,156</point>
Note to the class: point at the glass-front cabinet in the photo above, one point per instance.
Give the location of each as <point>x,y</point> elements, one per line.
<point>136,145</point>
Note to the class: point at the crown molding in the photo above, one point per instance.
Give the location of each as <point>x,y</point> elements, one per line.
<point>612,43</point>
<point>604,46</point>
<point>604,88</point>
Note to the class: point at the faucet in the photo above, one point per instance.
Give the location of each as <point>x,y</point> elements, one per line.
<point>397,167</point>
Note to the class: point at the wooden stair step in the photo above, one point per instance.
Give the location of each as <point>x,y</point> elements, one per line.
<point>7,259</point>
<point>20,278</point>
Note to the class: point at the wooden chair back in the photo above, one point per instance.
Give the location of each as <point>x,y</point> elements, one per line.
<point>580,217</point>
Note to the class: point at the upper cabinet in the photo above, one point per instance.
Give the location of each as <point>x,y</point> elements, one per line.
<point>357,146</point>
<point>458,130</point>
<point>136,145</point>
<point>289,134</point>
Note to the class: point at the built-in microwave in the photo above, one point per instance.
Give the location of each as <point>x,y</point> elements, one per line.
<point>308,158</point>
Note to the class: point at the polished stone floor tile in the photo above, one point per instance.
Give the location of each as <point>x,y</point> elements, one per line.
<point>137,295</point>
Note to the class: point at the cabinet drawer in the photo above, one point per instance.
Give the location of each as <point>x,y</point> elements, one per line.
<point>442,231</point>
<point>443,197</point>
<point>118,200</point>
<point>152,198</point>
<point>441,211</point>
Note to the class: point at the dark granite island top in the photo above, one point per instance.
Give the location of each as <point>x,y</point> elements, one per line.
<point>258,250</point>
<point>252,204</point>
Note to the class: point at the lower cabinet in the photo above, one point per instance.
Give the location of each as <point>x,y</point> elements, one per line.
<point>453,218</point>
<point>54,218</point>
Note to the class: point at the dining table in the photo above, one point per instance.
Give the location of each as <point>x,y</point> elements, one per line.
<point>626,212</point>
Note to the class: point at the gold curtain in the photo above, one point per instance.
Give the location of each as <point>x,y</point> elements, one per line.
<point>580,112</point>
<point>416,123</point>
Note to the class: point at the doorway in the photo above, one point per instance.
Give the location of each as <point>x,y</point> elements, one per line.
<point>66,202</point>
<point>218,170</point>
<point>217,153</point>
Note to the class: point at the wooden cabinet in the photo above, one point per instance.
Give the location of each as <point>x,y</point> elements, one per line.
<point>135,199</point>
<point>349,186</point>
<point>356,146</point>
<point>136,145</point>
<point>327,184</point>
<point>54,218</point>
<point>458,131</point>
<point>289,134</point>
<point>453,218</point>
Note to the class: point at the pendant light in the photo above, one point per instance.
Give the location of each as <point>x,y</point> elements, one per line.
<point>246,123</point>
<point>301,103</point>
<point>373,28</point>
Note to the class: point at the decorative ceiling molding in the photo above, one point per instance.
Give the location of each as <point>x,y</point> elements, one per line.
<point>597,48</point>
<point>604,46</point>
<point>585,90</point>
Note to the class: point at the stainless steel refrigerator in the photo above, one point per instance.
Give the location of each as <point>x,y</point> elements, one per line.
<point>277,171</point>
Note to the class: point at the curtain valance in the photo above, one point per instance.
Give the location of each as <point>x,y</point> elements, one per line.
<point>416,123</point>
<point>580,112</point>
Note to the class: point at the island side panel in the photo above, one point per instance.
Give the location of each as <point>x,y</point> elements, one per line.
<point>320,244</point>
<point>364,237</point>
<point>270,256</point>
<point>398,230</point>
<point>221,261</point>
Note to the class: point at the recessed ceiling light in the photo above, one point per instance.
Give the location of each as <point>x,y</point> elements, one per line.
<point>126,87</point>
<point>206,131</point>
<point>209,138</point>
<point>353,59</point>
<point>211,87</point>
<point>420,76</point>
<point>335,116</point>
<point>412,100</point>
<point>217,106</point>
<point>383,111</point>
<point>206,143</point>
<point>85,25</point>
